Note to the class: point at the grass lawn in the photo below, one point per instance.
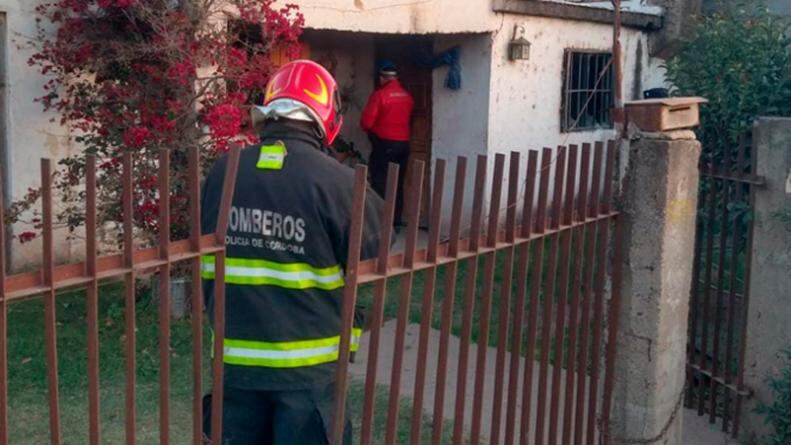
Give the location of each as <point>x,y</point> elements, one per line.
<point>28,408</point>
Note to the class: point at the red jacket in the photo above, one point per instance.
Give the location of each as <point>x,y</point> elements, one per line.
<point>389,112</point>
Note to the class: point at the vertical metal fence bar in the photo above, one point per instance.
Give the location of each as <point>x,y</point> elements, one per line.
<point>413,211</point>
<point>164,297</point>
<point>486,299</point>
<point>753,165</point>
<point>719,303</point>
<point>468,303</point>
<point>3,324</point>
<point>535,287</point>
<point>350,300</point>
<point>380,294</point>
<point>587,286</point>
<point>735,246</point>
<point>448,302</point>
<point>92,301</point>
<point>196,294</point>
<point>229,183</point>
<point>50,318</point>
<point>505,298</point>
<point>549,296</point>
<point>563,292</point>
<point>427,308</point>
<point>598,305</point>
<point>709,234</point>
<point>579,263</point>
<point>519,304</point>
<point>129,298</point>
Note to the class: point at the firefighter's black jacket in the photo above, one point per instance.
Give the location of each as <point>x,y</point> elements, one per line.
<point>286,251</point>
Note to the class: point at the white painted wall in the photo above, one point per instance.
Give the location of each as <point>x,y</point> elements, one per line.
<point>526,95</point>
<point>461,119</point>
<point>30,135</point>
<point>400,16</point>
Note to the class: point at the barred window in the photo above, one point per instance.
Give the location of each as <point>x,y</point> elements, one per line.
<point>587,91</point>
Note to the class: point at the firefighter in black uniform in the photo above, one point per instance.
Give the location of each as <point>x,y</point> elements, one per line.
<point>286,252</point>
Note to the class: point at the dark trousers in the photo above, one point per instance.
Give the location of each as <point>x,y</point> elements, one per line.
<point>276,417</point>
<point>383,153</point>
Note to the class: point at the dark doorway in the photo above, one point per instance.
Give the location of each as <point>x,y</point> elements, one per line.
<point>405,51</point>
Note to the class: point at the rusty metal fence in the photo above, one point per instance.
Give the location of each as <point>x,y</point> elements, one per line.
<point>555,337</point>
<point>51,279</point>
<point>554,245</point>
<point>720,284</point>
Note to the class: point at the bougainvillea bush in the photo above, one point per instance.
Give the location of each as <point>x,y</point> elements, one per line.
<point>146,76</point>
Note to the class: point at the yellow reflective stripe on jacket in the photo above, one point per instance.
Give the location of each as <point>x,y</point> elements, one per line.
<point>286,354</point>
<point>255,272</point>
<point>272,157</point>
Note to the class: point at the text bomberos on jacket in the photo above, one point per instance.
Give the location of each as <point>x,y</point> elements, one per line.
<point>265,229</point>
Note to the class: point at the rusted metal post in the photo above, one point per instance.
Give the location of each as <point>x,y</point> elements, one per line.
<point>486,299</point>
<point>196,295</point>
<point>129,298</point>
<point>164,298</point>
<point>427,307</point>
<point>377,313</point>
<point>521,293</point>
<point>449,299</point>
<point>50,318</point>
<point>468,302</point>
<point>92,301</point>
<point>229,182</point>
<point>349,301</point>
<point>413,212</point>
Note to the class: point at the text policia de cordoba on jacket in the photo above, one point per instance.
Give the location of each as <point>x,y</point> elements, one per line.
<point>287,247</point>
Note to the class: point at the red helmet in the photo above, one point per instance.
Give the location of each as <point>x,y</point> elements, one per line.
<point>303,90</point>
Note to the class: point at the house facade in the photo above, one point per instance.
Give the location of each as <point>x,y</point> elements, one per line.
<point>557,92</point>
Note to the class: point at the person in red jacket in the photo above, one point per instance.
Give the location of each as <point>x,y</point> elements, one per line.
<point>386,119</point>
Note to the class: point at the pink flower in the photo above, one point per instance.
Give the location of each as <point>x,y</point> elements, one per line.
<point>136,137</point>
<point>224,121</point>
<point>182,73</point>
<point>25,237</point>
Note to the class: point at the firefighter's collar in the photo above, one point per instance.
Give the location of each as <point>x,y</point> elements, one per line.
<point>273,156</point>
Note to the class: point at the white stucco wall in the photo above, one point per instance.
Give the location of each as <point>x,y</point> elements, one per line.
<point>460,118</point>
<point>29,133</point>
<point>399,16</point>
<point>526,95</point>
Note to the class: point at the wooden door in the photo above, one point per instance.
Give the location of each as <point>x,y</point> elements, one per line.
<point>403,51</point>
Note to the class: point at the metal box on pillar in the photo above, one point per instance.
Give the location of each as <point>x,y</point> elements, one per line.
<point>665,114</point>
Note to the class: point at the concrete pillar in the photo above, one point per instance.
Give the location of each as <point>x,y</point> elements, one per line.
<point>659,201</point>
<point>768,312</point>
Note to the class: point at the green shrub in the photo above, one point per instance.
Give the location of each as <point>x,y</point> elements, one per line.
<point>778,414</point>
<point>740,60</point>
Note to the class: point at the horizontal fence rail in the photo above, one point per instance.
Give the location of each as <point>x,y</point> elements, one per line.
<point>720,284</point>
<point>507,295</point>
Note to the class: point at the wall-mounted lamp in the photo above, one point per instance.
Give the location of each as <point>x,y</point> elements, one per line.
<point>519,46</point>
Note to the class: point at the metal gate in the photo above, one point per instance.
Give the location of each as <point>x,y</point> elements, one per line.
<point>542,305</point>
<point>721,277</point>
<point>553,368</point>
